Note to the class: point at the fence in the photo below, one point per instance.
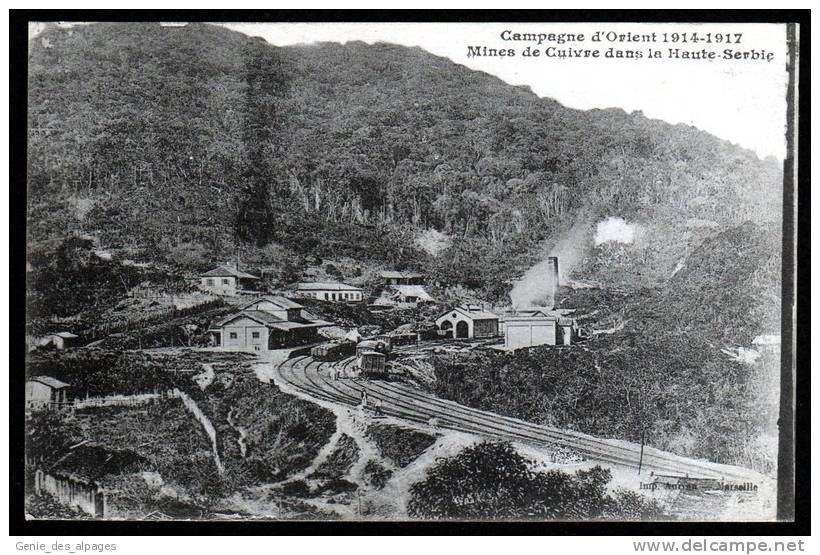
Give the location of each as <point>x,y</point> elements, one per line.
<point>106,401</point>
<point>89,497</point>
<point>119,400</point>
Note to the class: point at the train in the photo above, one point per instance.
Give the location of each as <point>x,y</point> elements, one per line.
<point>333,350</point>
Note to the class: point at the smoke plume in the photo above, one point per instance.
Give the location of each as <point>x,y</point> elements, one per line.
<point>533,287</point>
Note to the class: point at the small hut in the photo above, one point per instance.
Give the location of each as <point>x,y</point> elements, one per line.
<point>45,391</point>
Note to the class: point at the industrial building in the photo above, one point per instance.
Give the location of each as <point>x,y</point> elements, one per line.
<point>533,326</point>
<point>528,328</point>
<point>329,291</point>
<point>266,324</point>
<point>469,322</point>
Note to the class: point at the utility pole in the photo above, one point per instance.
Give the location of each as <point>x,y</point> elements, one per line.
<point>640,460</point>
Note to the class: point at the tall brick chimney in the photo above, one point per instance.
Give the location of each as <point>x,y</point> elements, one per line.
<point>552,280</point>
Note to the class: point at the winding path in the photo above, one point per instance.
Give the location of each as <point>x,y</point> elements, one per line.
<point>314,379</point>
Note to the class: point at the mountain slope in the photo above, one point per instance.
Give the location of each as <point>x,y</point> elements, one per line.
<point>165,141</point>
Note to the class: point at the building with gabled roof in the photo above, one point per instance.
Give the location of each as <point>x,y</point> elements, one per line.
<point>45,391</point>
<point>534,326</point>
<point>226,280</point>
<point>403,296</point>
<point>469,322</point>
<point>57,340</point>
<point>394,277</point>
<point>265,324</point>
<point>329,291</point>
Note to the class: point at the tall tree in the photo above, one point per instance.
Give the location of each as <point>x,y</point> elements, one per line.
<point>264,81</point>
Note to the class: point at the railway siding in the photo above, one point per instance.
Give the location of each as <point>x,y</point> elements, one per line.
<point>313,379</point>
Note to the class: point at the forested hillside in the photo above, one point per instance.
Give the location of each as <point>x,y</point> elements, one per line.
<point>192,144</point>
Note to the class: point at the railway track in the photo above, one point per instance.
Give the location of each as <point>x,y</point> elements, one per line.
<point>312,378</point>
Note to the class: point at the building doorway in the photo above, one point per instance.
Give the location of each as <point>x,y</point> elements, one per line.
<point>462,330</point>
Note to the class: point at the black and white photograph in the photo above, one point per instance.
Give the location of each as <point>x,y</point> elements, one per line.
<point>409,271</point>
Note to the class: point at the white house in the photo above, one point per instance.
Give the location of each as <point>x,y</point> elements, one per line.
<point>403,296</point>
<point>45,391</point>
<point>226,280</point>
<point>330,291</point>
<point>265,324</point>
<point>60,340</point>
<point>468,322</point>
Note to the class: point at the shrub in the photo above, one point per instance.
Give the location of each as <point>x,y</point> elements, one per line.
<point>493,481</point>
<point>296,488</point>
<point>400,445</point>
<point>376,474</point>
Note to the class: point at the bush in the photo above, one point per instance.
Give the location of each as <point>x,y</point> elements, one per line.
<point>400,445</point>
<point>376,474</point>
<point>296,488</point>
<point>338,486</point>
<point>492,481</point>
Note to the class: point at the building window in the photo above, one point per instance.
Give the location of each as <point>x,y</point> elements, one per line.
<point>209,282</point>
<point>326,296</point>
<point>225,281</point>
<point>233,335</point>
<point>255,335</point>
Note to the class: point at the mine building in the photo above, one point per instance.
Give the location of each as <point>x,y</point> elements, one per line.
<point>227,280</point>
<point>329,291</point>
<point>403,296</point>
<point>265,324</point>
<point>392,277</point>
<point>469,322</point>
<point>46,392</point>
<point>536,326</point>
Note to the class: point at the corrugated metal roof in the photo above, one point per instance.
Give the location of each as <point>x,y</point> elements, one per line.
<point>474,314</point>
<point>227,271</point>
<point>279,301</point>
<point>325,286</point>
<point>63,334</point>
<point>49,381</point>
<point>270,320</point>
<point>287,326</point>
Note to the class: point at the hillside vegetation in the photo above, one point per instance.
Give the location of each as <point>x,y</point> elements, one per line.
<point>186,146</point>
<point>193,144</point>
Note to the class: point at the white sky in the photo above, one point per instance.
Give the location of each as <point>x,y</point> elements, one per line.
<point>741,101</point>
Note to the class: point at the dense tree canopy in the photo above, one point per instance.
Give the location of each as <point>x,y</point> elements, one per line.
<point>155,137</point>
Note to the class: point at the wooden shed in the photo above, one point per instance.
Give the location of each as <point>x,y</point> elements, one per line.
<point>46,392</point>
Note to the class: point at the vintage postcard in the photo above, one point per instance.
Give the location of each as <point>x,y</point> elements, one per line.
<point>284,271</point>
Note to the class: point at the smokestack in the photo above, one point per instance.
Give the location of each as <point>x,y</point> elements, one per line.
<point>552,279</point>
